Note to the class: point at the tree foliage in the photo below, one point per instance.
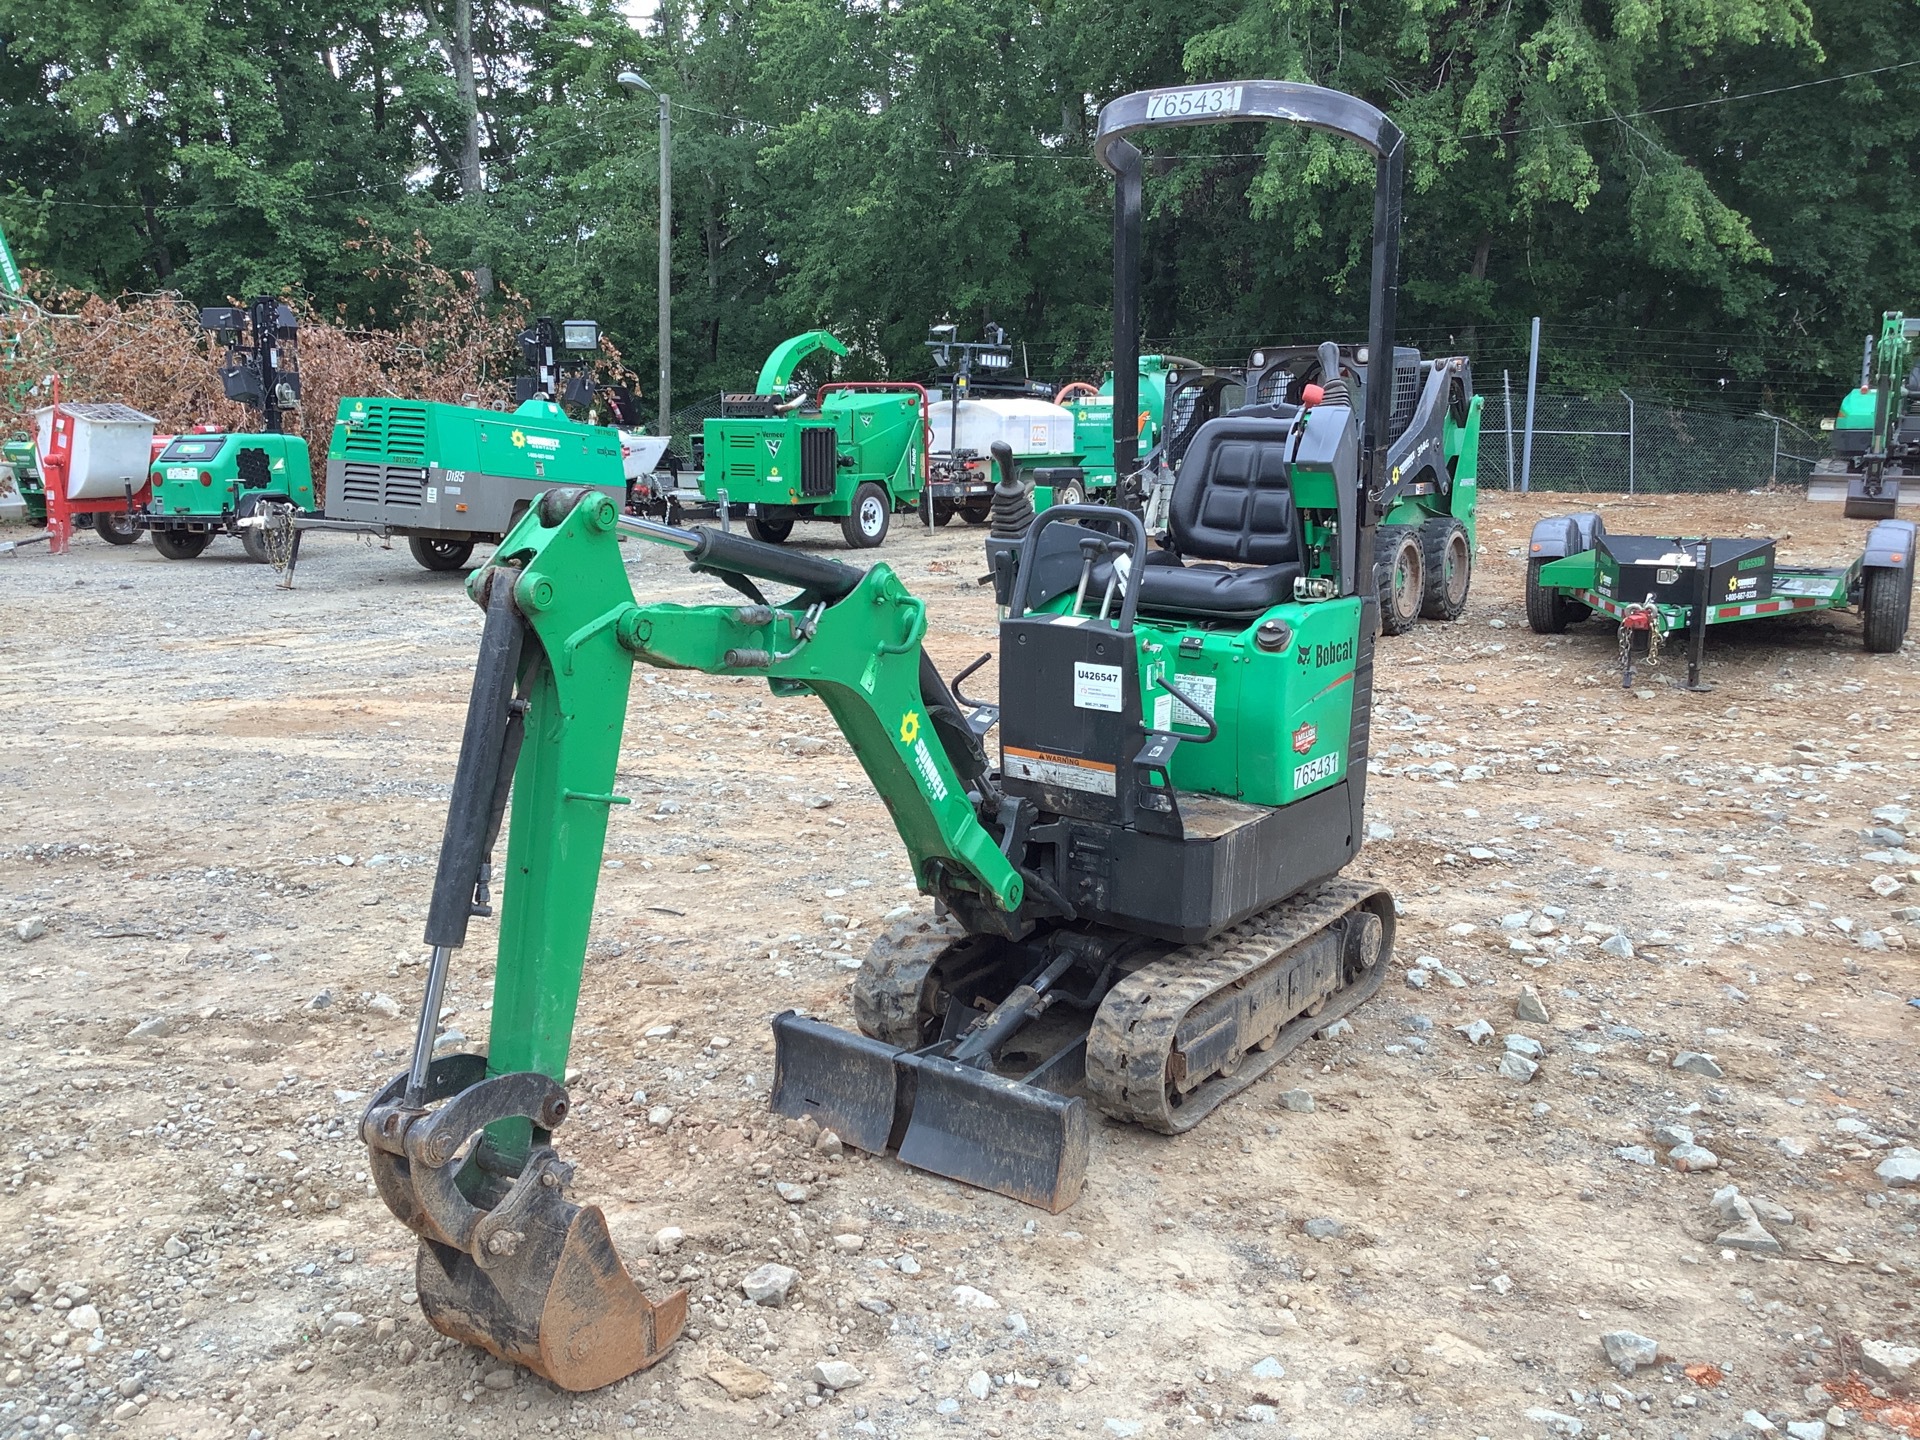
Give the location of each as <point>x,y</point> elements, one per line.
<point>1686,193</point>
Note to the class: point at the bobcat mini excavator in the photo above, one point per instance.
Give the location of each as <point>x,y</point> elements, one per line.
<point>1140,907</point>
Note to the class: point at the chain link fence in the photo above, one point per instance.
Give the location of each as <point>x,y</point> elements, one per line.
<point>1620,443</point>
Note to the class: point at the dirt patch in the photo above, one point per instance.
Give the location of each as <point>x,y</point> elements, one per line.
<point>223,803</point>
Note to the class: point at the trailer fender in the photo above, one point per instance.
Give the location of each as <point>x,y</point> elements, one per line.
<point>1559,536</point>
<point>1890,546</point>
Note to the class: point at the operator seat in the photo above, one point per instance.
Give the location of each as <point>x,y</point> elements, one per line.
<point>1232,502</point>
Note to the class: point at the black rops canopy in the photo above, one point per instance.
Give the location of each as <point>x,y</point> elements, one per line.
<point>1283,102</point>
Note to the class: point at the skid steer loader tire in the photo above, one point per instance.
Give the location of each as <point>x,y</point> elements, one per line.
<point>1398,569</point>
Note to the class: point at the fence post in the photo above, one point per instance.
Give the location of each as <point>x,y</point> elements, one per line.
<point>1774,478</point>
<point>1533,377</point>
<point>1630,480</point>
<point>1506,385</point>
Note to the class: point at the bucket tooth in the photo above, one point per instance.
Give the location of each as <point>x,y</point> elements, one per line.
<point>982,1129</point>
<point>850,1083</point>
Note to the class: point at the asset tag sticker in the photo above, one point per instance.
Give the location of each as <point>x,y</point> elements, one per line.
<point>1096,687</point>
<point>1193,100</point>
<point>1200,689</point>
<point>433,493</point>
<point>1314,771</point>
<point>1065,772</point>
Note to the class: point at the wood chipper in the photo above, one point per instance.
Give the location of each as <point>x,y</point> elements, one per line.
<point>1140,905</point>
<point>854,452</point>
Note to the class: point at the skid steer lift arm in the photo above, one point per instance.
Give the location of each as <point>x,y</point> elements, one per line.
<point>460,1145</point>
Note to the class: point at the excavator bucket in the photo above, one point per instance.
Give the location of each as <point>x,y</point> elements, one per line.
<point>560,1304</point>
<point>1014,1138</point>
<point>506,1261</point>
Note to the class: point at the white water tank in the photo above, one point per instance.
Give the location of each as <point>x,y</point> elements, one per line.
<point>1031,427</point>
<point>112,446</point>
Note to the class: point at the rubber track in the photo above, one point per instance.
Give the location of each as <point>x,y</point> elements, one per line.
<point>1133,1033</point>
<point>889,987</point>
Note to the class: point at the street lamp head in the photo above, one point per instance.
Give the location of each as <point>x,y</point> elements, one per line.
<point>634,80</point>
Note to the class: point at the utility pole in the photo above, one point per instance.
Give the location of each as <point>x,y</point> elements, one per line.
<point>633,81</point>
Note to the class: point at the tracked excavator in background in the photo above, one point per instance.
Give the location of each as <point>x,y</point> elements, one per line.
<point>1139,910</point>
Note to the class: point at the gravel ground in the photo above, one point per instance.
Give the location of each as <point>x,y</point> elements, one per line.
<point>1690,912</point>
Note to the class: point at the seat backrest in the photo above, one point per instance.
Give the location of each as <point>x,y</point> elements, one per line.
<point>1232,500</point>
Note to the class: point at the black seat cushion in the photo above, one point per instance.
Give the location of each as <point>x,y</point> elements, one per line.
<point>1232,500</point>
<point>1219,591</point>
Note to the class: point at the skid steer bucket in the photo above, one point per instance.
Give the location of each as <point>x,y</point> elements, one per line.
<point>1014,1138</point>
<point>506,1261</point>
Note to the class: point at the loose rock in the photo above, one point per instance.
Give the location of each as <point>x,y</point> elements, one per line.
<point>769,1284</point>
<point>1901,1169</point>
<point>1530,1007</point>
<point>1698,1064</point>
<point>739,1379</point>
<point>836,1375</point>
<point>1889,1361</point>
<point>1299,1101</point>
<point>1628,1351</point>
<point>1518,1068</point>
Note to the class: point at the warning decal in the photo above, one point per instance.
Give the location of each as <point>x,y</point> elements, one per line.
<point>1068,772</point>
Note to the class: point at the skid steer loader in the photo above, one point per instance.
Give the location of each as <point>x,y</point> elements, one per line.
<point>1140,907</point>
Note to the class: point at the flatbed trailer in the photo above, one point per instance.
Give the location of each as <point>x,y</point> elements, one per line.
<point>1653,587</point>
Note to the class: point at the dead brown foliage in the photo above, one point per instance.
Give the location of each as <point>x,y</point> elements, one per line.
<point>443,342</point>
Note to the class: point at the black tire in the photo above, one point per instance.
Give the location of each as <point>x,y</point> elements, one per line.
<point>769,532</point>
<point>977,514</point>
<point>1071,493</point>
<point>941,511</point>
<point>433,554</point>
<point>1447,555</point>
<point>1548,611</point>
<point>116,529</point>
<point>1886,602</point>
<point>1398,568</point>
<point>253,540</point>
<point>181,544</point>
<point>866,524</point>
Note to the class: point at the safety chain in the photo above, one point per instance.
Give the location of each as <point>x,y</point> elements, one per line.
<point>1628,629</point>
<point>276,532</point>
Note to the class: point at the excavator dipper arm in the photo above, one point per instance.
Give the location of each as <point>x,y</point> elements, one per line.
<point>460,1145</point>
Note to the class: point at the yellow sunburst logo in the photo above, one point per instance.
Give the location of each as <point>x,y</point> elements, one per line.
<point>910,727</point>
<point>520,439</point>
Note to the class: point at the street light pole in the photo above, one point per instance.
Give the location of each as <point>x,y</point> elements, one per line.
<point>632,80</point>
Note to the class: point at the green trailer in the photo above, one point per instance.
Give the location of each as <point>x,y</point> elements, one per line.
<point>853,452</point>
<point>1653,587</point>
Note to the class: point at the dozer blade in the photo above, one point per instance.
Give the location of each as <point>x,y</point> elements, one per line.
<point>560,1304</point>
<point>982,1129</point>
<point>949,1119</point>
<point>848,1082</point>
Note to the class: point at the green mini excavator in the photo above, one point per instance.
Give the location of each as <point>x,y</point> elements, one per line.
<point>1139,906</point>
